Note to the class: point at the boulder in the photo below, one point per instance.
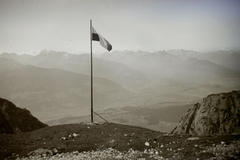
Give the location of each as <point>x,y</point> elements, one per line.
<point>217,114</point>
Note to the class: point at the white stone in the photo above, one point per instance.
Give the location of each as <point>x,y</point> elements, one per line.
<point>147,144</point>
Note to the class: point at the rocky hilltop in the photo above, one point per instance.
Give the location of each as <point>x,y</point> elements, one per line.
<point>14,119</point>
<point>217,114</point>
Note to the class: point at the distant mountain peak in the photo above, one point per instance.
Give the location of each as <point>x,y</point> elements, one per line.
<point>54,54</point>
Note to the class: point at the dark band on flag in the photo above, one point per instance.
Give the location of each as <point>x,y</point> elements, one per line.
<point>95,37</point>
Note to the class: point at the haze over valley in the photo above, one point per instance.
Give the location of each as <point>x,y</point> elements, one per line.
<point>54,85</point>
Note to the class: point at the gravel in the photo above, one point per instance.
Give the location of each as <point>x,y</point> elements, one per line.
<point>110,153</point>
<point>219,152</point>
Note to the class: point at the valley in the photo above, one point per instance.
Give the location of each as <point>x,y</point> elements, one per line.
<point>56,85</point>
<point>160,117</point>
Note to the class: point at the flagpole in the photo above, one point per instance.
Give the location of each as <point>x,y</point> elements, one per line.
<point>91,72</point>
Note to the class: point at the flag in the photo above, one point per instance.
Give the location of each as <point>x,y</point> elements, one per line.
<point>97,37</point>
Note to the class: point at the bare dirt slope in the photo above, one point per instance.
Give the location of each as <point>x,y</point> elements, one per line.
<point>83,138</point>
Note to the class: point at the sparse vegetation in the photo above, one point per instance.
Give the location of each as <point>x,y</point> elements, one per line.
<point>114,141</point>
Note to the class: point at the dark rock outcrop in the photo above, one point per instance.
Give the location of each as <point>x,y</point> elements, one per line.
<point>14,119</point>
<point>217,114</point>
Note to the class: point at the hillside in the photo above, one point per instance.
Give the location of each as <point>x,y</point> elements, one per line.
<point>200,72</point>
<point>8,64</point>
<point>14,119</point>
<point>117,72</point>
<point>43,91</point>
<point>151,64</point>
<point>181,75</point>
<point>114,141</point>
<point>181,65</point>
<point>226,58</point>
<point>18,58</point>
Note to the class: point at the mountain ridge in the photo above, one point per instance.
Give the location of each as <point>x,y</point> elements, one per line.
<point>157,77</point>
<point>41,90</point>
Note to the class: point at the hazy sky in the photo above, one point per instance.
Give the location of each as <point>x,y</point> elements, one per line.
<point>149,25</point>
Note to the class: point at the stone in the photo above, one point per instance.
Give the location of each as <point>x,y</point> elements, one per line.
<point>217,114</point>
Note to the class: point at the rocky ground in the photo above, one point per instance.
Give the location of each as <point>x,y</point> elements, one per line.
<point>114,141</point>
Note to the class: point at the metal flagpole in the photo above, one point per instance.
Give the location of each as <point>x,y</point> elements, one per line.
<point>91,72</point>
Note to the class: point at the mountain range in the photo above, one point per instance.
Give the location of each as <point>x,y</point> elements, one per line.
<point>60,81</point>
<point>43,91</point>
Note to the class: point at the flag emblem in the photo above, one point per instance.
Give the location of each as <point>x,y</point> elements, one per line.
<point>97,37</point>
